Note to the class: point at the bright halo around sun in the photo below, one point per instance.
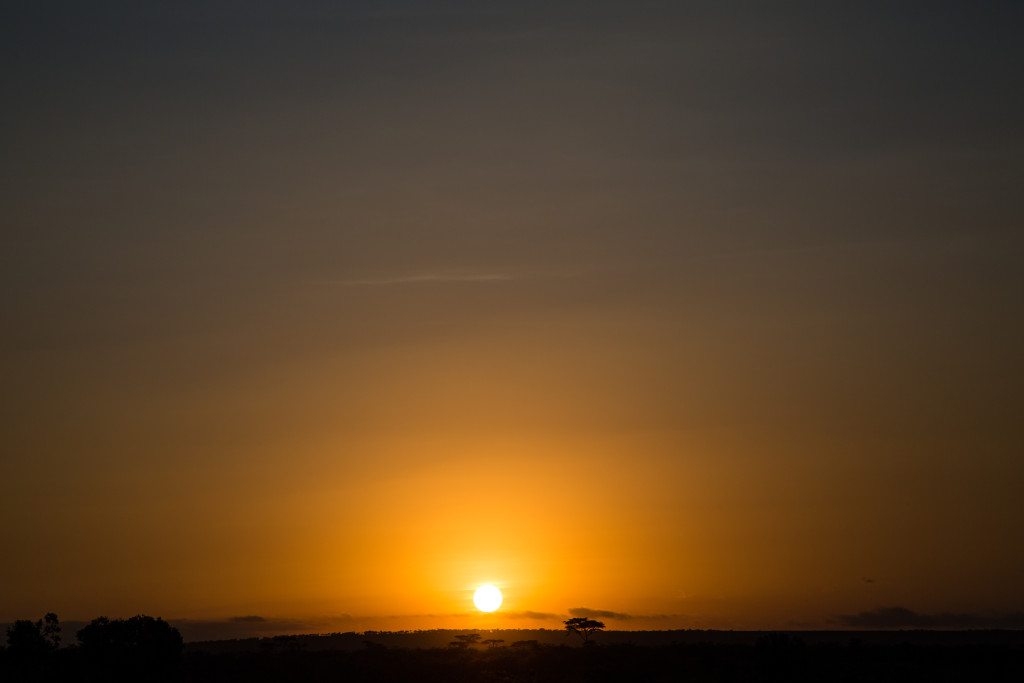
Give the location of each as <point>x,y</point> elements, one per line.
<point>487,597</point>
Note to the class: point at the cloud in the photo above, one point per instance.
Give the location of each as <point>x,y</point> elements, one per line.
<point>460,276</point>
<point>598,613</point>
<point>256,626</point>
<point>532,615</point>
<point>252,626</point>
<point>590,613</point>
<point>903,618</point>
<point>429,278</point>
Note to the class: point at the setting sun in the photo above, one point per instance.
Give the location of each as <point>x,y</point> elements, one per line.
<point>487,598</point>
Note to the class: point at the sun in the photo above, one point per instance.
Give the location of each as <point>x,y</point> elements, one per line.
<point>487,597</point>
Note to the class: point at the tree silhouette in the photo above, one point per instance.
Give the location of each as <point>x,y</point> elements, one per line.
<point>140,648</point>
<point>583,627</point>
<point>49,627</point>
<point>493,642</point>
<point>35,637</point>
<point>533,644</point>
<point>465,640</point>
<point>25,638</point>
<point>32,649</point>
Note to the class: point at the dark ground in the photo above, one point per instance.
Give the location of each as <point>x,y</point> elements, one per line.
<point>776,659</point>
<point>618,656</point>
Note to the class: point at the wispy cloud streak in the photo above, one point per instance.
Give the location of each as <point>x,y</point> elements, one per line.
<point>429,278</point>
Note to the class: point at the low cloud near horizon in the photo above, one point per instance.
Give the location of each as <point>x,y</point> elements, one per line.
<point>256,626</point>
<point>598,613</point>
<point>529,614</point>
<point>591,613</point>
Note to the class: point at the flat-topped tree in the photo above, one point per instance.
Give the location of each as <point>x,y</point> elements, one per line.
<point>583,627</point>
<point>526,643</point>
<point>465,640</point>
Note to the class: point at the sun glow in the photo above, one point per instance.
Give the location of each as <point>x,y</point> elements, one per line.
<point>487,598</point>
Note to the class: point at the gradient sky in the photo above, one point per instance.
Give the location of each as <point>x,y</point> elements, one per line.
<point>709,314</point>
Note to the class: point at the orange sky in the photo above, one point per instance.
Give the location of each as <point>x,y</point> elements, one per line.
<point>333,319</point>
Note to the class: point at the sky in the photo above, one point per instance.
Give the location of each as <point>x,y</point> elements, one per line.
<point>319,315</point>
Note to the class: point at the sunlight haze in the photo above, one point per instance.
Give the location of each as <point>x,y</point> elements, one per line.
<point>676,314</point>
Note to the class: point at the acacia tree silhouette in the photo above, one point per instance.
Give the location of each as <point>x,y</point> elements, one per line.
<point>465,640</point>
<point>583,627</point>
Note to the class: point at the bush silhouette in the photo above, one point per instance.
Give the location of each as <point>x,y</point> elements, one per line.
<point>31,647</point>
<point>25,639</point>
<point>140,648</point>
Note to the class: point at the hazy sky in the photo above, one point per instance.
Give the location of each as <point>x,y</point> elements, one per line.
<point>710,314</point>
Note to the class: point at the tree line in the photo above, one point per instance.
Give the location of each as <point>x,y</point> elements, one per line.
<point>138,648</point>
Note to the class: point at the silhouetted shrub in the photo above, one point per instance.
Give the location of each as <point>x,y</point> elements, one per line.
<point>30,648</point>
<point>140,648</point>
<point>25,639</point>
